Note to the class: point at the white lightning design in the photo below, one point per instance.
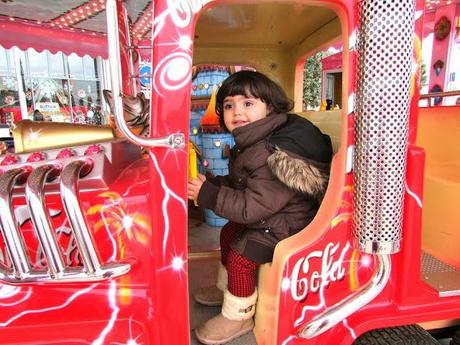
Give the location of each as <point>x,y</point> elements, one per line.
<point>415,196</point>
<point>131,341</point>
<point>106,223</point>
<point>168,193</point>
<point>128,190</point>
<point>37,311</point>
<point>6,292</point>
<point>345,323</point>
<point>115,309</point>
<point>286,341</point>
<point>305,309</point>
<point>184,42</point>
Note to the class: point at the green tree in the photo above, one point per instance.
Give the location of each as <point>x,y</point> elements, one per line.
<point>312,73</point>
<point>423,75</point>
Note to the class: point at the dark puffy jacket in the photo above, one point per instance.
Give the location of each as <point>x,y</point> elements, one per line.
<point>278,173</point>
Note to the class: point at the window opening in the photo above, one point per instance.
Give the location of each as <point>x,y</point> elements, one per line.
<point>64,88</point>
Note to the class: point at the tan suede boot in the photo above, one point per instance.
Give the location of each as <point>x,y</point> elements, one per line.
<point>234,320</point>
<point>213,295</point>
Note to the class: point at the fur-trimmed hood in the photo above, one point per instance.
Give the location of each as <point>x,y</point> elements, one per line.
<point>301,156</point>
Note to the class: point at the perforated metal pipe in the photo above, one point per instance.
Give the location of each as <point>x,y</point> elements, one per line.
<point>385,42</point>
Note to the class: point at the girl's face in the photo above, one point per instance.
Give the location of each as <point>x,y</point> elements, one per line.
<point>239,110</point>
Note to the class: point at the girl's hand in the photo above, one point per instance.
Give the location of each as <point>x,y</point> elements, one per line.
<point>194,186</point>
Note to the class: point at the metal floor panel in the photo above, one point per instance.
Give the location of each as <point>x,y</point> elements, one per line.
<point>441,276</point>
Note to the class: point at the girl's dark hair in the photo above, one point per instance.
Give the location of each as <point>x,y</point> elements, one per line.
<point>254,84</point>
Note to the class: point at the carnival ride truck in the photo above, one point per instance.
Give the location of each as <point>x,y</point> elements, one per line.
<point>94,229</point>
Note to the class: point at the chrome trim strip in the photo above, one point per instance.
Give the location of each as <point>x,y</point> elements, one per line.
<point>71,275</point>
<point>14,241</point>
<point>341,310</point>
<point>46,235</point>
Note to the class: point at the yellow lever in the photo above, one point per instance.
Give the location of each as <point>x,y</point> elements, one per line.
<point>192,164</point>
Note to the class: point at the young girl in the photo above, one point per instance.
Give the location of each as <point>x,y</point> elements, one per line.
<point>278,172</point>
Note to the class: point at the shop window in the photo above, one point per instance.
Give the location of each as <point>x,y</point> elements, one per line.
<point>51,99</point>
<point>56,65</point>
<point>75,66</point>
<point>9,100</point>
<point>64,88</point>
<point>90,69</point>
<point>8,89</point>
<point>85,99</point>
<point>38,63</point>
<point>3,62</point>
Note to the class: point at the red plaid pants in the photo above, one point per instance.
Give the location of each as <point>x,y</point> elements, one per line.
<point>242,272</point>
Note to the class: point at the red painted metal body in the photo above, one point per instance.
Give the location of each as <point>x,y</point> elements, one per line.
<point>82,313</point>
<point>150,305</point>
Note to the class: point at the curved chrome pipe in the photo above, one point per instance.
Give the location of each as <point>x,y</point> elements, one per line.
<point>69,195</point>
<point>176,140</point>
<point>340,311</point>
<point>14,241</point>
<point>40,218</point>
<point>83,237</point>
